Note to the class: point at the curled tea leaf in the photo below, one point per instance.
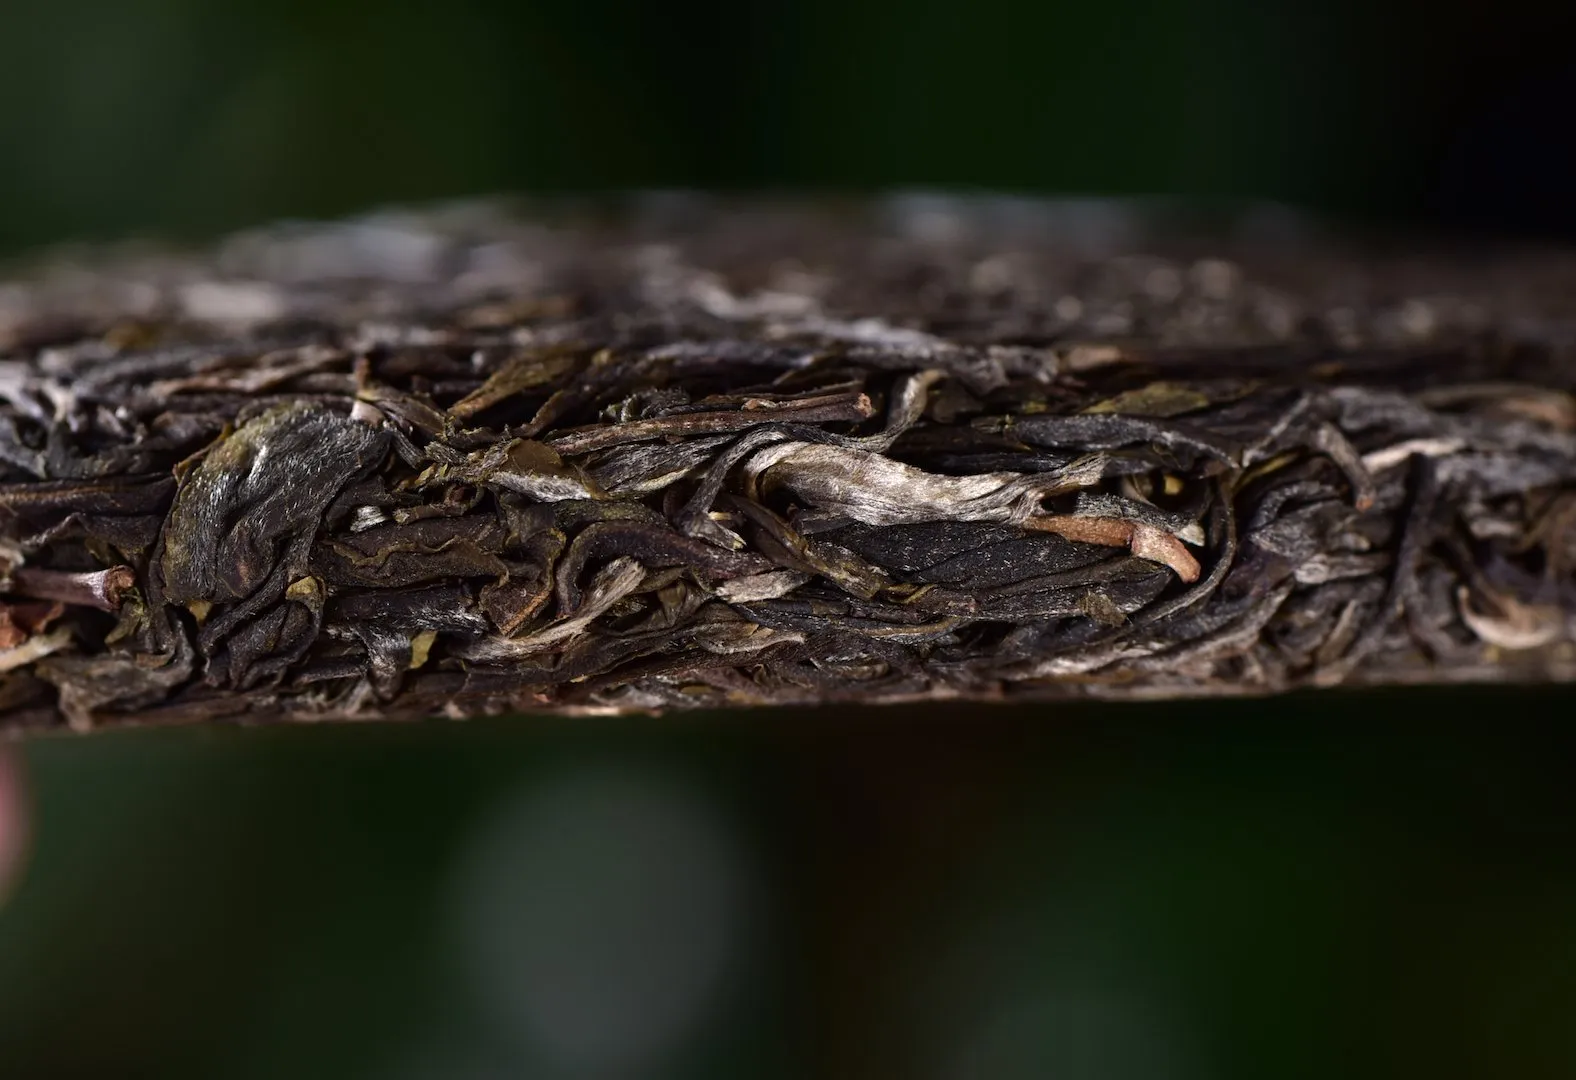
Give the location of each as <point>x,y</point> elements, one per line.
<point>876,490</point>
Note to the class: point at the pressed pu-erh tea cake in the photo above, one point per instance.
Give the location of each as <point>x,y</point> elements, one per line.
<point>682,453</point>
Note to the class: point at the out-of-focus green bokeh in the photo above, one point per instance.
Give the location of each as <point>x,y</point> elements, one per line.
<point>1330,885</point>
<point>188,116</point>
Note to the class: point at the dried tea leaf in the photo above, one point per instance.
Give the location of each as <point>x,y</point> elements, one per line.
<point>526,371</point>
<point>1162,399</point>
<point>265,485</point>
<point>879,491</point>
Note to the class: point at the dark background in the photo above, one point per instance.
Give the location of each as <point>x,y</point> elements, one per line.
<point>1330,885</point>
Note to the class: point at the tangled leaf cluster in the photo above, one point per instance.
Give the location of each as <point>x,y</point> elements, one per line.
<point>693,455</point>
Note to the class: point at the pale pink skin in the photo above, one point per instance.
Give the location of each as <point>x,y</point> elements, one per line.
<point>13,820</point>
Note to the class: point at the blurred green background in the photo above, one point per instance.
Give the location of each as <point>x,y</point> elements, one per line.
<point>1328,885</point>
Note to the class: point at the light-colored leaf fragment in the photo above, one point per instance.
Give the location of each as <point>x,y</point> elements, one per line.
<point>1160,399</point>
<point>421,648</point>
<point>35,647</point>
<point>768,586</point>
<point>1516,626</point>
<point>876,490</point>
<point>1143,540</point>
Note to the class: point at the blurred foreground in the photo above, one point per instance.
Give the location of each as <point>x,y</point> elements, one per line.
<point>1230,889</point>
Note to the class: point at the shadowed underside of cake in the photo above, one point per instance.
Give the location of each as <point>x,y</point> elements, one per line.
<point>682,452</point>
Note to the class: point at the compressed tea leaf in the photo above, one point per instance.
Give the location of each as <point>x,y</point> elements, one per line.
<point>678,452</point>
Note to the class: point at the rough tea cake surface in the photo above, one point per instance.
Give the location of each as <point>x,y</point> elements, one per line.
<point>699,454</point>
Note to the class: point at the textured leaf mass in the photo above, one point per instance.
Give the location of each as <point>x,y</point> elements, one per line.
<point>704,455</point>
